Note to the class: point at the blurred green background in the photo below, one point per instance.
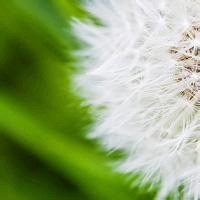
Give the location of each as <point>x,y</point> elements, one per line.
<point>43,153</point>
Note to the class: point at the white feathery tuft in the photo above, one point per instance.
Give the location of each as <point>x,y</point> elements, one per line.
<point>143,65</point>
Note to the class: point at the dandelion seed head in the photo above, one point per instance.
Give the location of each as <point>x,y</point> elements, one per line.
<point>143,65</point>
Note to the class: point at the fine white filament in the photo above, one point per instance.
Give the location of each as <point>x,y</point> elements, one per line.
<point>142,64</point>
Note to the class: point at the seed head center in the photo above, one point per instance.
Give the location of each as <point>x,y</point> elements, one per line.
<point>186,53</point>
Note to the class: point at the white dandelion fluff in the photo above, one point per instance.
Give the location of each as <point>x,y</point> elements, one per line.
<point>143,65</point>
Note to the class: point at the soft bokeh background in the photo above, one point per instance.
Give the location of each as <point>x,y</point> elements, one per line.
<point>43,151</point>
